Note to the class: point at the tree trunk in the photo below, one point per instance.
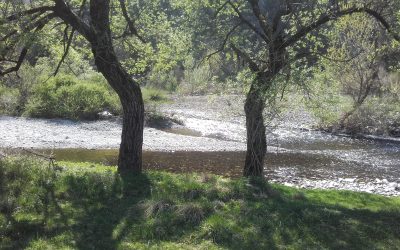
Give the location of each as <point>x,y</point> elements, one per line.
<point>130,152</point>
<point>256,138</point>
<point>98,33</point>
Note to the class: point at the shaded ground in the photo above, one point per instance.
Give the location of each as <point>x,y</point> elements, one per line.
<point>86,206</point>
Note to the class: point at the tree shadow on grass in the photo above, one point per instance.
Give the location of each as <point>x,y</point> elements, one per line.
<point>89,206</point>
<point>336,227</point>
<point>102,210</point>
<point>117,214</point>
<point>297,222</point>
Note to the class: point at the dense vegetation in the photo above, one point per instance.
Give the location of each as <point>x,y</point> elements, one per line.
<point>89,206</point>
<point>181,34</point>
<point>68,96</point>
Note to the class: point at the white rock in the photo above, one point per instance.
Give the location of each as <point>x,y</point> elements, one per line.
<point>105,115</point>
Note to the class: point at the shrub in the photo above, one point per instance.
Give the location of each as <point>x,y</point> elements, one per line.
<point>162,80</point>
<point>68,97</point>
<point>9,100</point>
<point>152,95</point>
<point>379,116</point>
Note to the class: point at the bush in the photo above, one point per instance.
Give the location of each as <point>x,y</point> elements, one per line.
<point>68,97</point>
<point>378,116</point>
<point>162,80</point>
<point>198,80</point>
<point>9,100</point>
<point>152,95</point>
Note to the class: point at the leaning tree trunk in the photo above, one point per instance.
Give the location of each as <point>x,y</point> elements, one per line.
<point>256,138</point>
<point>130,152</point>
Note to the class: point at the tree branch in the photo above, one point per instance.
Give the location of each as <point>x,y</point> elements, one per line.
<point>252,65</point>
<point>223,45</point>
<point>382,21</point>
<point>69,40</point>
<point>13,32</point>
<point>66,50</point>
<point>324,18</point>
<point>130,22</point>
<point>248,23</point>
<point>67,15</point>
<point>21,58</point>
<point>262,20</point>
<point>18,15</point>
<point>221,8</point>
<point>37,26</point>
<point>303,55</point>
<point>282,12</point>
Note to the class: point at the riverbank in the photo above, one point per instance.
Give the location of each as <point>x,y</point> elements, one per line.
<point>20,132</point>
<point>90,206</point>
<point>209,137</point>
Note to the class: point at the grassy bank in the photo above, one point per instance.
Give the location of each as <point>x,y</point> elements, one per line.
<point>86,206</point>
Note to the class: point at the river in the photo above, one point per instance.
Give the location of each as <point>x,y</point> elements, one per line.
<point>212,140</point>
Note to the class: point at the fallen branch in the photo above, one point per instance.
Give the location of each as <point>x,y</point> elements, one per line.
<point>51,158</point>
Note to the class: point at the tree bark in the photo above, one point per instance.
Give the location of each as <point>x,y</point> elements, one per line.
<point>130,152</point>
<point>256,138</point>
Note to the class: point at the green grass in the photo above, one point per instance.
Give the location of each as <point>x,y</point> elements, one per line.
<point>153,95</point>
<point>90,206</point>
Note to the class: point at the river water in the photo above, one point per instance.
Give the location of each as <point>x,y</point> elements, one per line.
<point>297,155</point>
<point>212,140</point>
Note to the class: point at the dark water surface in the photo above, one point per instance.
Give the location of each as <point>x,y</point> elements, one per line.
<point>359,161</point>
<point>349,164</point>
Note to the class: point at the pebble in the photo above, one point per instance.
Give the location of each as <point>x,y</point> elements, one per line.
<point>376,186</point>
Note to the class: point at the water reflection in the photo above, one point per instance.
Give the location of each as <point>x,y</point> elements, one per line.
<point>305,164</point>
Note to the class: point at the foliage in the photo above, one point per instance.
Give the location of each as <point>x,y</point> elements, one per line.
<point>209,76</point>
<point>37,93</point>
<point>352,87</point>
<point>153,95</point>
<point>84,205</point>
<point>66,96</point>
<point>8,100</point>
<point>325,99</point>
<point>378,116</point>
<point>198,79</point>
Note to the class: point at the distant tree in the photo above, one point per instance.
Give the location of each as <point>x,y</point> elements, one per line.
<point>357,52</point>
<point>22,20</point>
<point>271,36</point>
